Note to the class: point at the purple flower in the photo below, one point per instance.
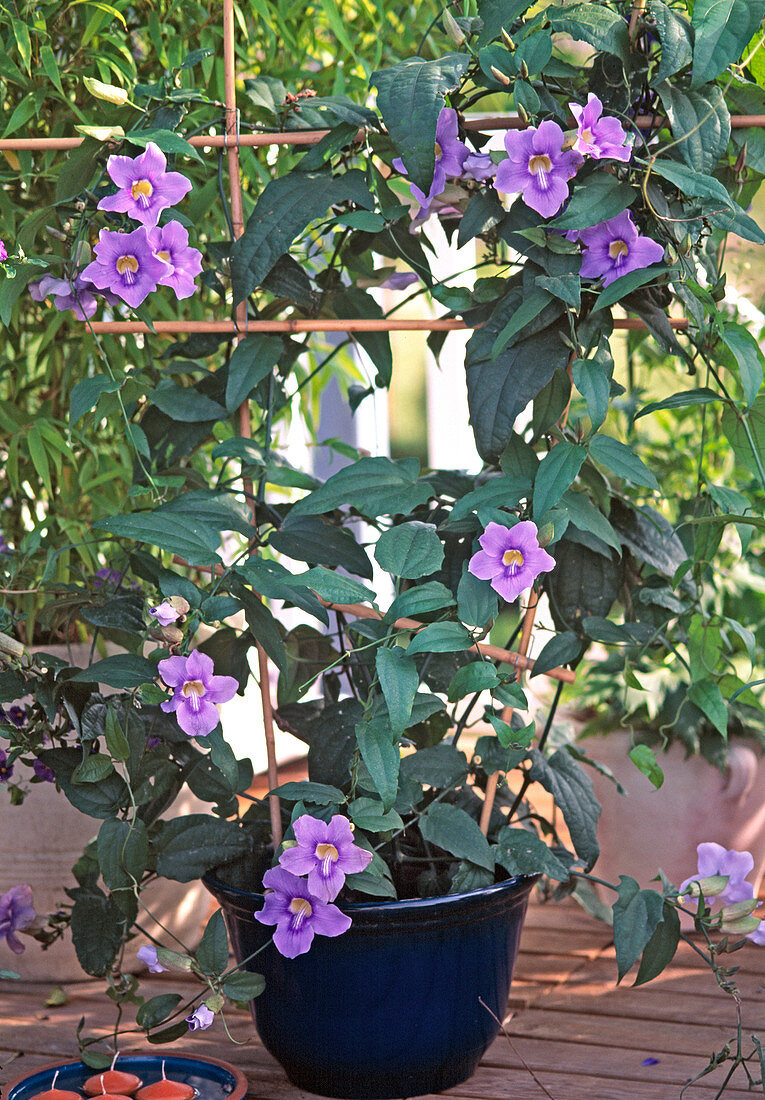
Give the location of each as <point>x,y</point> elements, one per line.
<point>479,166</point>
<point>599,137</point>
<point>4,547</point>
<point>16,912</point>
<point>43,772</point>
<point>18,715</point>
<point>297,913</point>
<point>326,853</point>
<point>171,244</point>
<point>145,188</point>
<point>538,167</point>
<point>75,294</point>
<point>6,769</point>
<point>450,158</point>
<point>614,248</point>
<point>715,860</point>
<point>511,558</point>
<point>153,742</point>
<point>148,955</point>
<point>106,576</point>
<point>164,613</point>
<point>196,690</point>
<point>126,264</point>
<point>3,251</point>
<point>200,1018</point>
<point>758,936</point>
<point>400,280</point>
<point>650,1062</point>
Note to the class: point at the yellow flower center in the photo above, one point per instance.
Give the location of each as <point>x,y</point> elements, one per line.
<point>587,135</point>
<point>327,851</point>
<point>617,248</point>
<point>192,687</point>
<point>163,255</point>
<point>127,263</point>
<point>302,909</point>
<point>512,557</point>
<point>540,163</point>
<point>141,189</point>
<point>438,151</point>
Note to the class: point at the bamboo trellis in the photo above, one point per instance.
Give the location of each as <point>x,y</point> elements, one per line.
<point>231,141</point>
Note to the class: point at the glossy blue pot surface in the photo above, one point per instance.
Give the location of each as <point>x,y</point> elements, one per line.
<point>404,1003</point>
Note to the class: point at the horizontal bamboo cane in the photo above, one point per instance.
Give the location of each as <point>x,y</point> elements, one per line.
<point>364,324</point>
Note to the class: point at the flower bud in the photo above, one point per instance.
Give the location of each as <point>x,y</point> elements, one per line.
<point>710,886</point>
<point>507,40</point>
<point>739,909</point>
<point>215,1002</point>
<point>718,290</point>
<point>109,92</point>
<point>523,69</point>
<point>741,927</point>
<point>82,255</point>
<point>545,534</point>
<point>171,634</point>
<point>11,646</point>
<point>179,604</point>
<point>523,114</point>
<point>685,245</point>
<point>453,29</point>
<point>174,959</point>
<point>500,76</point>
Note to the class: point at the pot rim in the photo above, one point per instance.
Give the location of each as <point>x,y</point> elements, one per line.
<point>393,905</point>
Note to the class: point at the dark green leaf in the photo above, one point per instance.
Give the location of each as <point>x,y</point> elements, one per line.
<point>431,596</point>
<point>399,681</point>
<point>100,800</point>
<point>676,36</point>
<point>86,393</point>
<point>621,460</point>
<point>375,486</point>
<point>700,396</point>
<point>594,384</point>
<point>167,140</point>
<point>189,846</point>
<point>722,30</point>
<point>212,953</point>
<point>333,587</point>
<point>123,670</point>
<point>583,514</point>
<point>483,213</point>
<point>310,539</point>
<point>572,791</point>
<point>742,441</point>
<point>368,813</point>
<point>242,986</point>
<point>661,947</point>
<point>123,853</point>
<point>636,915</point>
<point>600,197</point>
<point>456,832</point>
<point>521,852</point>
<point>338,138</point>
<point>749,358</point>
<point>185,403</point>
<point>157,1009</point>
<point>557,472</point>
<point>252,360</point>
<point>626,284</point>
<point>497,14</point>
<point>96,932</point>
<point>438,766</point>
<point>93,769</point>
<point>700,124</point>
<point>357,303</point>
<point>604,29</point>
<point>568,288</point>
<point>410,550</point>
<point>477,602</point>
<point>379,750</point>
<point>560,650</point>
<point>186,536</point>
<point>410,96</point>
<point>527,311</point>
<point>445,637</point>
<point>321,794</point>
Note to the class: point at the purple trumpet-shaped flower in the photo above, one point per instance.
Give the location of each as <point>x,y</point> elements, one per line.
<point>450,158</point>
<point>511,558</point>
<point>200,1019</point>
<point>18,715</point>
<point>75,294</point>
<point>164,613</point>
<point>148,954</point>
<point>297,913</point>
<point>479,166</point>
<point>614,248</point>
<point>43,772</point>
<point>145,187</point>
<point>3,251</point>
<point>715,860</point>
<point>125,264</point>
<point>196,690</point>
<point>326,853</point>
<point>106,576</point>
<point>16,912</point>
<point>171,244</point>
<point>6,769</point>
<point>599,137</point>
<point>538,167</point>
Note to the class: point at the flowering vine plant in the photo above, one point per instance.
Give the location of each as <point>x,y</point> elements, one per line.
<point>388,597</point>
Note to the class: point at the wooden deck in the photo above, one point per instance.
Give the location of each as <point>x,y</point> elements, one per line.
<point>569,1035</point>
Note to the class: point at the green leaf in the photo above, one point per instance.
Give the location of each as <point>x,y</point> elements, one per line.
<point>431,596</point>
<point>560,650</point>
<point>338,138</point>
<point>477,676</point>
<point>157,1009</point>
<point>702,396</point>
<point>123,853</point>
<point>477,602</point>
<point>735,430</point>
<point>123,670</point>
<point>179,534</point>
<point>557,472</point>
<point>445,637</point>
<point>602,28</point>
<point>375,486</point>
<point>621,460</point>
<point>700,124</point>
<point>728,214</point>
<point>189,846</point>
<point>96,928</point>
<point>644,759</point>
<point>660,950</point>
<point>572,791</point>
<point>311,539</point>
<point>285,208</point>
<point>379,750</point>
<point>455,831</point>
<point>399,680</point>
<point>496,14</point>
<point>368,813</point>
<point>599,198</point>
<point>252,360</point>
<point>86,393</point>
<point>709,699</point>
<point>636,915</point>
<point>93,769</point>
<point>356,303</point>
<point>583,514</point>
<point>23,41</point>
<point>749,358</point>
<point>568,288</point>
<point>410,96</point>
<point>676,37</point>
<point>185,403</point>
<point>483,213</point>
<point>521,852</point>
<point>625,285</point>
<point>167,140</point>
<point>100,800</point>
<point>527,311</point>
<point>332,587</point>
<point>321,794</point>
<point>722,30</point>
<point>439,766</point>
<point>410,550</point>
<point>500,389</point>
<point>212,953</point>
<point>243,986</point>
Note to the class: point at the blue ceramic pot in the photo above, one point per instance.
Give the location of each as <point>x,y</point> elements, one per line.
<point>392,1008</point>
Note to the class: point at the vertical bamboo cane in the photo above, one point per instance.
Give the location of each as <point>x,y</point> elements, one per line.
<point>507,714</point>
<point>237,220</point>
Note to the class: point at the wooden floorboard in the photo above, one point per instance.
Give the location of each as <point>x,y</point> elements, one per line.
<point>570,1032</point>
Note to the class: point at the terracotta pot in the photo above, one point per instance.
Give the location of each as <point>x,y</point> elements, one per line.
<point>648,829</point>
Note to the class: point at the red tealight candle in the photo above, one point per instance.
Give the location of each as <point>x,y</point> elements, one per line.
<point>56,1094</point>
<point>114,1082</point>
<point>166,1090</point>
